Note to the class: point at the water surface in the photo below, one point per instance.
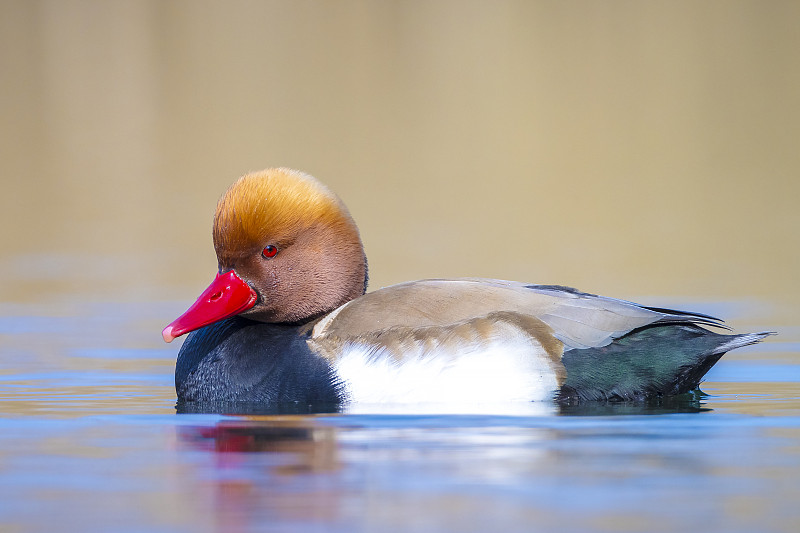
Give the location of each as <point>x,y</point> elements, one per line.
<point>90,441</point>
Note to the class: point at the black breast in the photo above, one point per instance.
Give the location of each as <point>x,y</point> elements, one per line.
<point>239,360</point>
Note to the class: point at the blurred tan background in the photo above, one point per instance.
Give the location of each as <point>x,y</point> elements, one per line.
<point>627,148</point>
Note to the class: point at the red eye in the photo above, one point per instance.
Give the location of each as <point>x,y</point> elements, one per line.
<point>269,251</point>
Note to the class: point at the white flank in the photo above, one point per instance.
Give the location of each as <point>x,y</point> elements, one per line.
<point>515,369</point>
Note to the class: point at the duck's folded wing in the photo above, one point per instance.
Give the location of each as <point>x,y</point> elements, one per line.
<point>576,319</point>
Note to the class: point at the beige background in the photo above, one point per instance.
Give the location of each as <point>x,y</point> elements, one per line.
<point>628,148</point>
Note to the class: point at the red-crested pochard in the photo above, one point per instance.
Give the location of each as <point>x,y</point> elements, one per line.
<point>287,320</point>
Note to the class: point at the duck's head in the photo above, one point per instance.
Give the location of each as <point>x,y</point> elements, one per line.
<point>288,251</point>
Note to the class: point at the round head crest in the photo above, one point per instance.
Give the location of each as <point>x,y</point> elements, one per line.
<point>274,204</point>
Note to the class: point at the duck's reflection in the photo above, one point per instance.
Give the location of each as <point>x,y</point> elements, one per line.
<point>255,408</point>
<point>334,472</point>
<point>304,445</point>
<point>690,402</point>
<point>264,468</point>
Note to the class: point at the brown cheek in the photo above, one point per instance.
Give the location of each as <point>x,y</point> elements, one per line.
<point>272,284</point>
<point>261,276</point>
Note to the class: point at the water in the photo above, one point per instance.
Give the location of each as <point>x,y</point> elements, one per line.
<point>90,441</point>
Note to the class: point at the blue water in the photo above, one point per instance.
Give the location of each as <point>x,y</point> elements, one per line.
<point>90,441</point>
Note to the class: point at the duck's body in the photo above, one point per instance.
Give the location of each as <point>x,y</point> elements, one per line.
<point>308,334</point>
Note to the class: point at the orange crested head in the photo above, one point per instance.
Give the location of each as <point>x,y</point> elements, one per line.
<point>291,240</point>
<point>273,205</point>
<point>288,252</point>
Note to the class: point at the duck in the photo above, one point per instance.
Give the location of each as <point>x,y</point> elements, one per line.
<point>288,320</point>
